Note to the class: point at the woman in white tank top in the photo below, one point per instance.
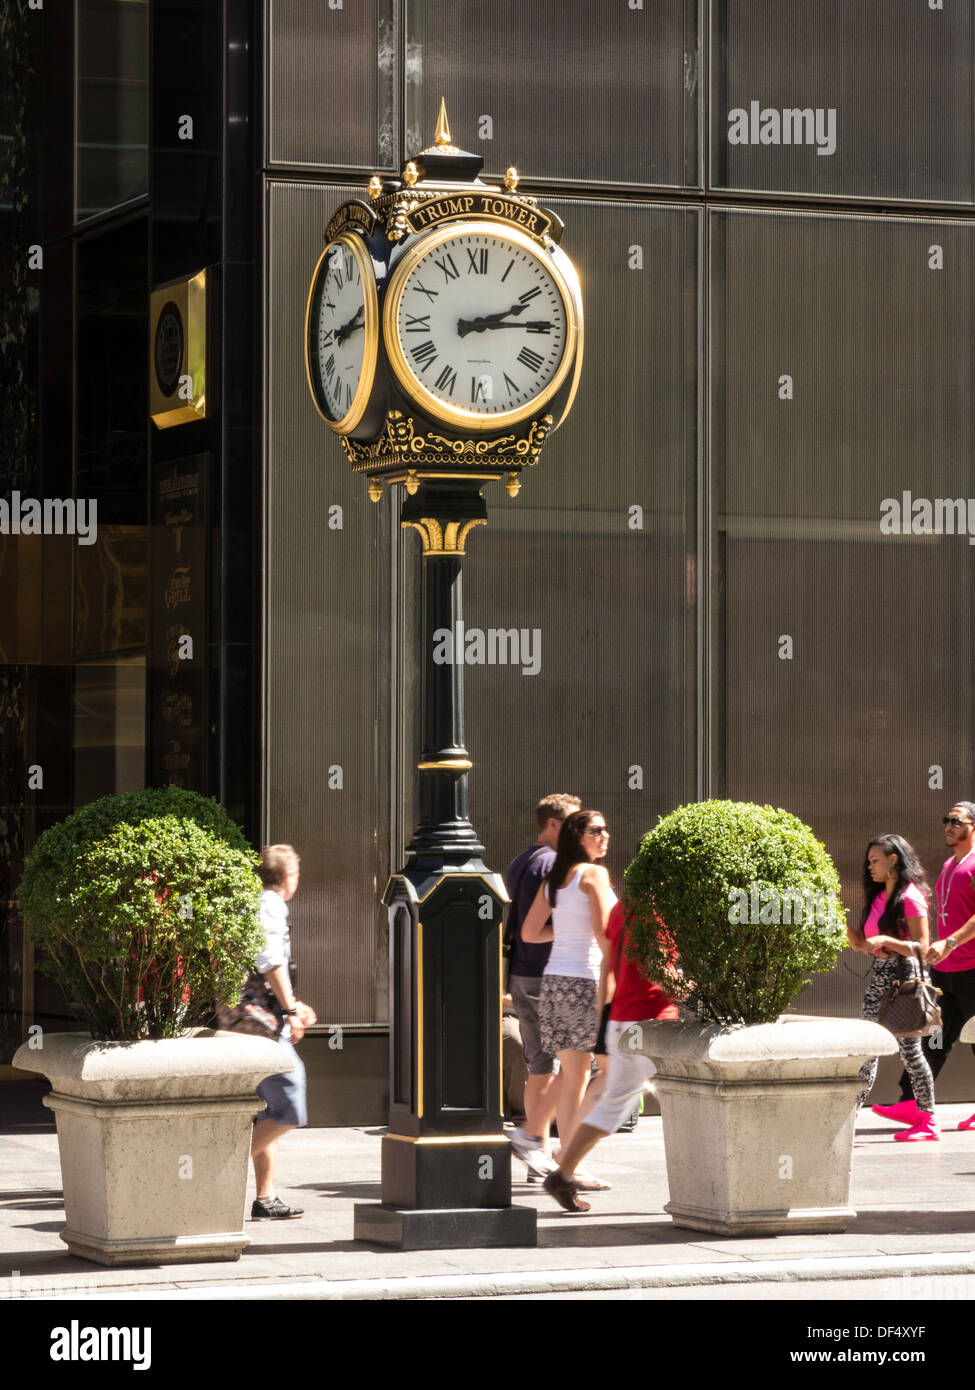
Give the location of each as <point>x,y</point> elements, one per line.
<point>571,994</point>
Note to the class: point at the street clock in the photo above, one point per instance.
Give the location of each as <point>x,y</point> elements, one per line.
<point>444,325</point>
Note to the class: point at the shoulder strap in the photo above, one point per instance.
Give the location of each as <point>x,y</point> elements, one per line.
<point>509,931</point>
<point>924,970</point>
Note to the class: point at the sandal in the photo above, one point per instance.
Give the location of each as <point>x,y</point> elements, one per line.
<point>591,1184</point>
<point>564,1192</point>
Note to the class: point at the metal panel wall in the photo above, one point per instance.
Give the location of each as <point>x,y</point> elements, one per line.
<point>321,739</point>
<point>331,84</point>
<point>866,727</point>
<point>565,89</point>
<point>897,75</point>
<point>598,559</point>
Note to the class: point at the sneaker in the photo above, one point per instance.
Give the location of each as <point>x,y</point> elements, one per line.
<point>273,1209</point>
<point>531,1153</point>
<point>925,1129</point>
<point>968,1124</point>
<point>905,1112</point>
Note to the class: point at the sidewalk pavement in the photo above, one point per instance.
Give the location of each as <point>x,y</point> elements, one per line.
<point>915,1205</point>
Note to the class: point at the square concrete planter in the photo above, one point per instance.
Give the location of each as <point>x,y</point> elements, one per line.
<point>154,1139</point>
<point>759,1120</point>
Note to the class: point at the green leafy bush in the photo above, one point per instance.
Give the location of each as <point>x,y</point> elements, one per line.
<point>751,903</point>
<point>146,909</point>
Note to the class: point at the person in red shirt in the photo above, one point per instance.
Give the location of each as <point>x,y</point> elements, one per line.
<point>634,1000</point>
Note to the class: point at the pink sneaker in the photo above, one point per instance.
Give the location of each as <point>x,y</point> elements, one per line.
<point>905,1112</point>
<point>968,1124</point>
<point>925,1129</point>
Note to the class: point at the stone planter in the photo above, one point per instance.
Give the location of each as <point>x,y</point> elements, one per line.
<point>758,1121</point>
<point>154,1139</point>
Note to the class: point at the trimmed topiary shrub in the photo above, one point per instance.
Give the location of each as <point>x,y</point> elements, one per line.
<point>742,901</point>
<point>146,909</point>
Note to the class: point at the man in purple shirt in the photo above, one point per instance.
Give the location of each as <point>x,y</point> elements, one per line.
<point>526,965</point>
<point>952,954</point>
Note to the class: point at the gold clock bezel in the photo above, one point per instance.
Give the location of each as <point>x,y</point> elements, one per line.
<point>370,350</point>
<point>425,399</point>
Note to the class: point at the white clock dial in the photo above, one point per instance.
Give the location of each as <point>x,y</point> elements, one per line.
<point>341,332</point>
<point>479,325</point>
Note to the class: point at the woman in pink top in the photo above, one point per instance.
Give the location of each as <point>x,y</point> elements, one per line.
<point>895,913</point>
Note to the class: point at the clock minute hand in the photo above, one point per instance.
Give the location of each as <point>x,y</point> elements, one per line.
<point>465,326</point>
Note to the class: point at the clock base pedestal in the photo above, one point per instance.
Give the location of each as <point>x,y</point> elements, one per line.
<point>411,1228</point>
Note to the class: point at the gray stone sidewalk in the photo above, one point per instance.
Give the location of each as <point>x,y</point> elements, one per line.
<point>915,1204</point>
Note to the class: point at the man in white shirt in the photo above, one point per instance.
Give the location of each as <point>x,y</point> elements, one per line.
<point>284,1094</point>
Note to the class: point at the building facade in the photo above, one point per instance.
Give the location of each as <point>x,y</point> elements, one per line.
<point>771,204</point>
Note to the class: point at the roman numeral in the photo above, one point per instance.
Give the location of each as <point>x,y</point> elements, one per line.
<point>512,388</point>
<point>330,304</point>
<point>430,294</point>
<point>329,366</point>
<point>478,390</point>
<point>339,282</point>
<point>448,266</point>
<point>425,353</point>
<point>327,340</point>
<point>447,380</point>
<point>508,271</point>
<point>538,326</point>
<point>531,360</point>
<point>529,295</point>
<point>478,261</point>
<point>348,396</point>
<point>349,266</point>
<point>418,323</point>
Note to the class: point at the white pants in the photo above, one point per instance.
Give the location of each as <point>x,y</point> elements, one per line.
<point>626,1077</point>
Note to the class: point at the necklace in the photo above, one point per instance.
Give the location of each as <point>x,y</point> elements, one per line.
<point>944,890</point>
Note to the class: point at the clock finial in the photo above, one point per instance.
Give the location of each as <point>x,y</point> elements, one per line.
<point>442,134</point>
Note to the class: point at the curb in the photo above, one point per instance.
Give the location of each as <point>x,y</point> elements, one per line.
<point>558,1280</point>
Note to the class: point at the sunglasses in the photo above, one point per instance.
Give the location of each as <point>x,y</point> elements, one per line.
<point>597,830</point>
<point>953,820</point>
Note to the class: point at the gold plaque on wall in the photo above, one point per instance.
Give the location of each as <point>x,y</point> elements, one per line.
<point>178,351</point>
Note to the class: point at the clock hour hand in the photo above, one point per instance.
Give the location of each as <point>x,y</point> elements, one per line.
<point>479,326</point>
<point>465,326</point>
<point>349,328</point>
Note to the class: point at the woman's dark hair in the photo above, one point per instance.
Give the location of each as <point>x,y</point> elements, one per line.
<point>569,850</point>
<point>909,871</point>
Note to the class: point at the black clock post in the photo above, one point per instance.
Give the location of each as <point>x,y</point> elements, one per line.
<point>446,1163</point>
<point>443,344</point>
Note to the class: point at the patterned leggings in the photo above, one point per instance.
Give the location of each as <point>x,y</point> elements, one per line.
<point>882,975</point>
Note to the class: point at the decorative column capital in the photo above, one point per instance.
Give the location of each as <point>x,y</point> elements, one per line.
<point>444,511</point>
<point>443,538</point>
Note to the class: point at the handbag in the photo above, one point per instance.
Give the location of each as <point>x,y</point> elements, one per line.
<point>257,1013</point>
<point>909,1006</point>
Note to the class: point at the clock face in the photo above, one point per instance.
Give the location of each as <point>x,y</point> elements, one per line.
<point>479,325</point>
<point>168,348</point>
<point>341,332</point>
